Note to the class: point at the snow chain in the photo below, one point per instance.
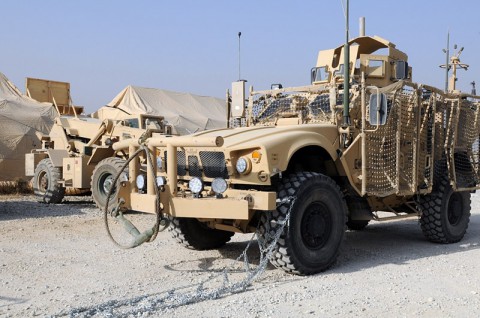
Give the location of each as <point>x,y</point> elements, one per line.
<point>170,299</point>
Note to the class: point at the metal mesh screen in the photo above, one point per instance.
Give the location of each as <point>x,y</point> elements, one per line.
<point>308,106</point>
<point>422,127</point>
<point>398,154</point>
<point>381,155</point>
<point>194,167</point>
<point>462,144</point>
<point>213,163</point>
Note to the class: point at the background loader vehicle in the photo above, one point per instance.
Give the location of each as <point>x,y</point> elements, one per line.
<point>75,145</point>
<point>310,161</point>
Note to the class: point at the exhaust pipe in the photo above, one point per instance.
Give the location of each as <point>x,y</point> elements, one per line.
<point>362,26</point>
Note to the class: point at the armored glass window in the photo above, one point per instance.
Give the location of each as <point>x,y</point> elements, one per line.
<point>320,74</point>
<point>376,68</point>
<point>133,122</point>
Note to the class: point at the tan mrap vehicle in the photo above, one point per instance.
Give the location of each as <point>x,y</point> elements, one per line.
<point>73,148</point>
<point>403,148</point>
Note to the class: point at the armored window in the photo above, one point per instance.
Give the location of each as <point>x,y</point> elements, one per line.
<point>319,74</point>
<point>376,68</point>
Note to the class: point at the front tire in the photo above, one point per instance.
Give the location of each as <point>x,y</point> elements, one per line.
<point>311,240</point>
<point>196,235</point>
<point>102,180</point>
<point>45,182</point>
<point>445,213</point>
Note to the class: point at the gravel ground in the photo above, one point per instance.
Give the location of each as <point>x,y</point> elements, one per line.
<point>56,260</point>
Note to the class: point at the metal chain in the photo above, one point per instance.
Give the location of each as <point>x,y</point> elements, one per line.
<point>172,298</point>
<point>160,220</point>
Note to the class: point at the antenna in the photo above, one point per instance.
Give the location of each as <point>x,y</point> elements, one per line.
<point>452,63</point>
<point>447,58</point>
<point>239,74</point>
<point>346,68</point>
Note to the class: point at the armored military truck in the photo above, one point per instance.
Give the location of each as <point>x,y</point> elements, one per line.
<point>75,145</point>
<point>297,158</point>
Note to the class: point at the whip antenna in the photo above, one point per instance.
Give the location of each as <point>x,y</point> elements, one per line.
<point>239,74</point>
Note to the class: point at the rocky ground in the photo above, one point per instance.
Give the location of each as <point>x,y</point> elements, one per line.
<point>56,260</point>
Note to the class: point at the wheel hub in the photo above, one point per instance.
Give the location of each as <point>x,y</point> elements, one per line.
<point>43,182</point>
<point>107,184</point>
<point>316,226</point>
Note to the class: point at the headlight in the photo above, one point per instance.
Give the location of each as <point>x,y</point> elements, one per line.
<point>243,165</point>
<point>141,182</point>
<point>195,185</point>
<point>161,181</point>
<point>219,185</point>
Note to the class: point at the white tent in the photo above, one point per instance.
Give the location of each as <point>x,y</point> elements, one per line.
<point>186,112</point>
<point>22,123</point>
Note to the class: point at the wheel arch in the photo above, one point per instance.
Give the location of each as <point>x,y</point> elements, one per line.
<point>314,158</point>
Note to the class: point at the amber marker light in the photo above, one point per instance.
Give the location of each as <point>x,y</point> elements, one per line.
<point>256,156</point>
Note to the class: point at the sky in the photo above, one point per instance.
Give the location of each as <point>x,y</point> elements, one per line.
<point>102,46</point>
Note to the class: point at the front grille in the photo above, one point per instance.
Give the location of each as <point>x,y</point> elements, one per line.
<point>194,167</point>
<point>213,163</point>
<point>181,163</point>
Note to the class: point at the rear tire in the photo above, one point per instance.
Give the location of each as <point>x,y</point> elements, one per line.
<point>445,213</point>
<point>311,240</point>
<point>45,182</point>
<point>102,180</point>
<point>195,235</point>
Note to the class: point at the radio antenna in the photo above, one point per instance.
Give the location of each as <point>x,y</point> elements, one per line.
<point>239,74</point>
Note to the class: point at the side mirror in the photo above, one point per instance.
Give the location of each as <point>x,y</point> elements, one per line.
<point>238,99</point>
<point>378,109</point>
<point>401,70</point>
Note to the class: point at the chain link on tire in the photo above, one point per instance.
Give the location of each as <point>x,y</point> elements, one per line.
<point>311,240</point>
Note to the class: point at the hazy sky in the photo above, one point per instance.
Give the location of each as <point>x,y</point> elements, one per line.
<point>100,47</point>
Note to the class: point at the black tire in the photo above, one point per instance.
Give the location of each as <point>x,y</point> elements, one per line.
<point>195,235</point>
<point>45,182</point>
<point>357,225</point>
<point>445,213</point>
<point>102,179</point>
<point>357,206</point>
<point>310,242</point>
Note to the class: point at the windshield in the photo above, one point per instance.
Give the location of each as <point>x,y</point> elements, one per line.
<point>309,106</point>
<point>156,121</point>
<point>131,122</point>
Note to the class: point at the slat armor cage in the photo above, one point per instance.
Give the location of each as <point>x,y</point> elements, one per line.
<point>425,129</point>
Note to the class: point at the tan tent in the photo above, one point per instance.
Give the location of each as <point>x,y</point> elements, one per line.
<point>22,123</point>
<point>187,113</point>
